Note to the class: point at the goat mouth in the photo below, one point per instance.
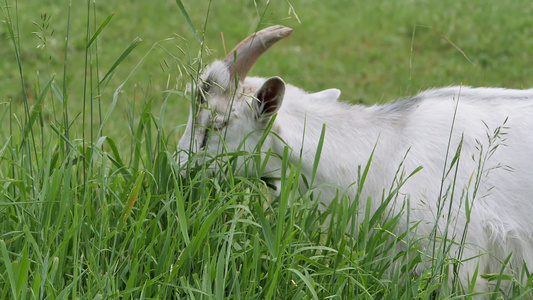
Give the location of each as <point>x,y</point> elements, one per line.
<point>271,181</point>
<point>204,140</point>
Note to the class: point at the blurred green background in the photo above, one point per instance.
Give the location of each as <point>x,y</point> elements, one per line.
<point>373,51</point>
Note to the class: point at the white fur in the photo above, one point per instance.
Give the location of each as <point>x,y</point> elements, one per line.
<point>501,221</point>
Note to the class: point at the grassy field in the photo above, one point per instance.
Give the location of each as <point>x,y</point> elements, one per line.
<point>91,109</point>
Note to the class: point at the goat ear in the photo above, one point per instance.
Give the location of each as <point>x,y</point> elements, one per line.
<point>327,95</point>
<point>268,98</point>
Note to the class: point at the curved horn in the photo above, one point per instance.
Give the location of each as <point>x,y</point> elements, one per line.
<point>251,48</point>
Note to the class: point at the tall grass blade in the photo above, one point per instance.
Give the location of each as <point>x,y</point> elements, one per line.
<point>9,269</point>
<point>318,153</point>
<point>132,197</point>
<point>188,20</point>
<point>99,30</point>
<point>23,268</point>
<point>123,56</point>
<point>37,109</point>
<point>306,281</point>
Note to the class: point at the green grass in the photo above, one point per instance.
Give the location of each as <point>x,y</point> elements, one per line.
<point>91,203</point>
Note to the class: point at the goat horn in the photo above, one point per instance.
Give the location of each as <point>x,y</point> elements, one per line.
<point>241,59</point>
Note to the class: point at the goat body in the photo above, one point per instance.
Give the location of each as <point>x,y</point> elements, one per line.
<point>491,129</point>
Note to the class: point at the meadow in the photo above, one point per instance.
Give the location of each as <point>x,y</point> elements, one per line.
<point>93,103</point>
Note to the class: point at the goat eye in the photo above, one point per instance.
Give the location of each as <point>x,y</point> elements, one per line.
<point>219,125</point>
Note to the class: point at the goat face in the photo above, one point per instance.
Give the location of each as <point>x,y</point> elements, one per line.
<point>227,119</point>
<point>231,111</point>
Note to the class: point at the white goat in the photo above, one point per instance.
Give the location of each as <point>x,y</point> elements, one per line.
<point>234,110</point>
